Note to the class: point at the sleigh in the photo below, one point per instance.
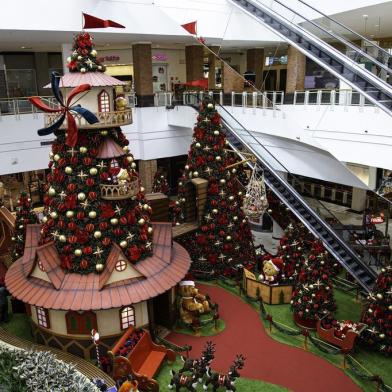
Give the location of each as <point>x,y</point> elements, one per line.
<point>346,343</point>
<point>142,360</point>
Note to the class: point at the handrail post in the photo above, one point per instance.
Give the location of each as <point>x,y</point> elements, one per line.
<point>170,98</point>
<point>232,98</point>
<point>244,99</point>
<point>295,97</point>
<point>318,97</point>
<point>201,96</point>
<point>273,98</point>
<point>254,99</point>
<point>282,97</point>
<point>306,98</point>
<point>184,94</point>
<point>332,99</point>
<point>221,98</point>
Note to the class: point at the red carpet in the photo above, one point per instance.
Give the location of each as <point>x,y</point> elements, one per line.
<point>266,359</point>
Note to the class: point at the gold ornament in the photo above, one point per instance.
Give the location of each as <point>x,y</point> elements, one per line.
<point>68,170</point>
<point>99,267</point>
<point>54,214</point>
<point>82,70</point>
<point>93,53</point>
<point>146,206</point>
<point>81,196</point>
<point>218,158</point>
<point>56,157</point>
<point>186,167</point>
<point>150,230</point>
<point>133,165</point>
<point>69,214</point>
<point>97,234</point>
<point>228,238</point>
<point>126,149</point>
<point>235,218</point>
<point>93,171</point>
<point>83,150</point>
<point>214,211</point>
<point>141,221</point>
<point>123,244</point>
<point>142,189</point>
<point>216,133</point>
<point>197,145</point>
<point>129,158</point>
<point>45,219</point>
<point>379,296</point>
<point>62,238</point>
<point>114,221</point>
<point>195,174</point>
<point>222,181</point>
<point>381,336</point>
<point>231,198</point>
<point>51,191</point>
<point>78,252</point>
<point>92,214</point>
<point>104,133</point>
<point>210,106</point>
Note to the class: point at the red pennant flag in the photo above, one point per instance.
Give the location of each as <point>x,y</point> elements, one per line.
<point>190,27</point>
<point>92,22</point>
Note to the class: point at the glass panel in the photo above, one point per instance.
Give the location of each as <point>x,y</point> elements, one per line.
<point>21,82</point>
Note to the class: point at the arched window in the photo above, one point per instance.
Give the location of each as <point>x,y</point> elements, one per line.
<point>127,317</point>
<point>103,102</point>
<point>43,317</point>
<point>80,323</point>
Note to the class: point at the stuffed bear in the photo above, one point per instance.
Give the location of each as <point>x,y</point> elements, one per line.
<point>121,103</point>
<point>192,304</point>
<point>271,269</point>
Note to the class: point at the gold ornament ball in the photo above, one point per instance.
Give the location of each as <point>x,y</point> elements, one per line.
<point>20,226</point>
<point>214,211</point>
<point>226,142</point>
<point>231,198</point>
<point>56,157</point>
<point>142,189</point>
<point>381,336</point>
<point>133,165</point>
<point>123,244</point>
<point>97,234</point>
<point>222,181</point>
<point>235,218</point>
<point>198,145</point>
<point>99,267</point>
<point>379,296</point>
<point>54,214</point>
<point>146,207</point>
<point>218,158</point>
<point>51,155</point>
<point>183,200</point>
<point>51,191</point>
<point>68,170</point>
<point>104,133</point>
<point>180,183</point>
<point>82,70</point>
<point>244,220</point>
<point>390,307</point>
<point>299,248</point>
<point>69,214</point>
<point>195,174</point>
<point>80,58</point>
<point>177,203</point>
<point>240,193</point>
<point>93,53</point>
<point>234,170</point>
<point>150,230</point>
<point>81,196</point>
<point>93,171</point>
<point>141,221</point>
<point>186,167</point>
<point>311,286</point>
<point>210,106</point>
<point>83,150</point>
<point>78,252</point>
<point>69,59</point>
<point>62,238</point>
<point>125,149</point>
<point>114,221</point>
<point>370,310</point>
<point>92,214</point>
<point>129,158</point>
<point>228,238</point>
<point>321,262</point>
<point>13,238</point>
<point>216,133</point>
<point>45,219</point>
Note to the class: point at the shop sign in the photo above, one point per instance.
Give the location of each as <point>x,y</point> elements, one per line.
<point>108,58</point>
<point>160,57</point>
<point>376,220</point>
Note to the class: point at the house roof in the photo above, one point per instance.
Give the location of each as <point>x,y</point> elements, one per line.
<point>70,291</point>
<point>94,79</point>
<point>7,216</point>
<point>109,149</point>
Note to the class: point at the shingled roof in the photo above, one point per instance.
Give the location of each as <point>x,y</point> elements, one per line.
<point>163,270</point>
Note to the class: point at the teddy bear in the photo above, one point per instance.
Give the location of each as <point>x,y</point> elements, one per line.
<point>271,270</point>
<point>191,304</point>
<point>121,103</point>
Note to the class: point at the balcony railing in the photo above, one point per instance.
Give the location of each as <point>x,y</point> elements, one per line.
<point>115,119</point>
<point>127,190</point>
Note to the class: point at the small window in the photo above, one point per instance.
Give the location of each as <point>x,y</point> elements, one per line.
<point>43,317</point>
<point>41,266</point>
<point>103,102</point>
<point>121,265</point>
<point>127,317</point>
<point>81,323</point>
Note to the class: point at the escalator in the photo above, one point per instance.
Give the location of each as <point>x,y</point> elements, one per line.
<point>242,140</point>
<point>314,40</point>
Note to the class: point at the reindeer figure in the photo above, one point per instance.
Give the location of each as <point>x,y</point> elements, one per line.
<point>225,380</point>
<point>207,356</point>
<point>179,381</point>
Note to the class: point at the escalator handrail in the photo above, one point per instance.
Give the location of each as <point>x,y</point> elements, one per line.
<point>347,28</point>
<point>337,36</point>
<point>292,190</point>
<point>323,45</point>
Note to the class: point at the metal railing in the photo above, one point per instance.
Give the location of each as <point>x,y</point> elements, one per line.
<point>21,105</point>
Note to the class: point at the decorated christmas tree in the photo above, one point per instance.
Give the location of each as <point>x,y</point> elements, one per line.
<point>224,239</point>
<point>160,184</point>
<point>84,56</point>
<point>312,296</point>
<point>24,216</point>
<point>378,313</point>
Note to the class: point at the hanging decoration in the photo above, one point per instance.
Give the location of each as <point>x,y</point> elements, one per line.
<point>255,201</point>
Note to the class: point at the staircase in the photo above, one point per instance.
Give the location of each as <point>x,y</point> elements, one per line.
<point>346,68</point>
<point>335,245</point>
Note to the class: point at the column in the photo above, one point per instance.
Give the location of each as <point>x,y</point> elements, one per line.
<point>142,73</point>
<point>372,178</point>
<point>66,51</point>
<point>41,71</point>
<point>296,67</point>
<point>255,63</point>
<point>194,60</point>
<point>212,61</point>
<point>358,201</point>
<point>147,170</point>
<point>232,81</point>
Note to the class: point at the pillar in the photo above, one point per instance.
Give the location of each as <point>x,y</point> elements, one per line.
<point>372,178</point>
<point>41,61</point>
<point>296,67</point>
<point>212,61</point>
<point>194,60</point>
<point>66,51</point>
<point>255,63</point>
<point>147,170</point>
<point>232,81</point>
<point>358,201</point>
<point>142,73</point>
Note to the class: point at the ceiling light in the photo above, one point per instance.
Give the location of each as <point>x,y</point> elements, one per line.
<point>365,16</point>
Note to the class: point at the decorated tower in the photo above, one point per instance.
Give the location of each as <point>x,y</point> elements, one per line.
<point>378,313</point>
<point>223,239</point>
<point>97,261</point>
<point>24,216</point>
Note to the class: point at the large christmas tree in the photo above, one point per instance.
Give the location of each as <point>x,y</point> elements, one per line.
<point>94,199</point>
<point>160,183</point>
<point>24,216</point>
<point>223,239</point>
<point>378,313</point>
<point>312,296</point>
